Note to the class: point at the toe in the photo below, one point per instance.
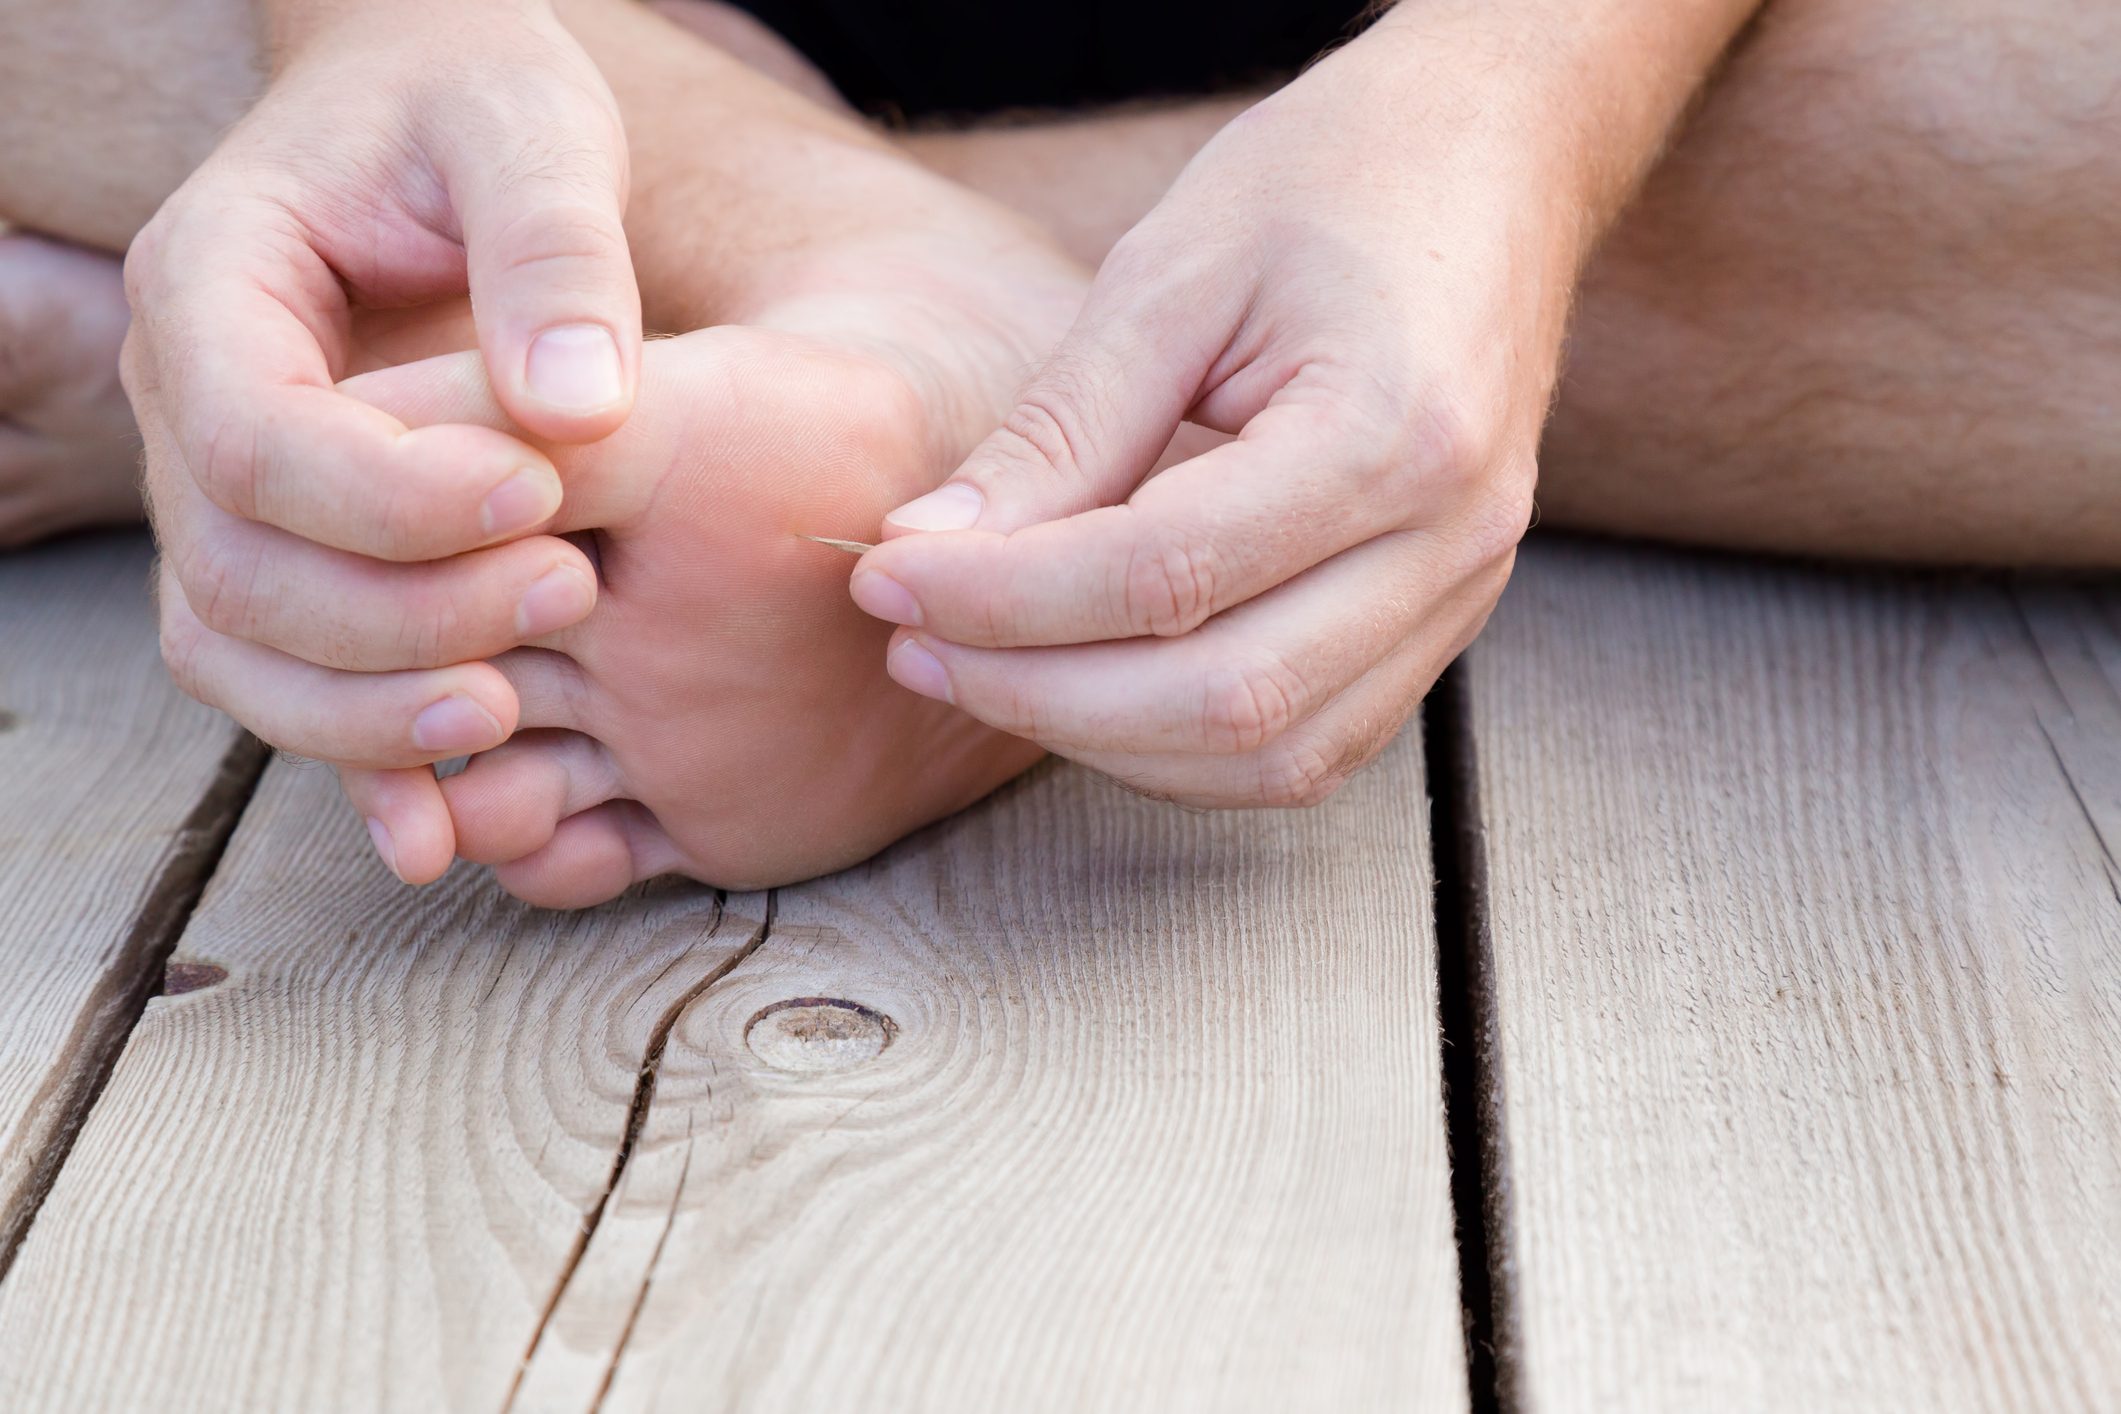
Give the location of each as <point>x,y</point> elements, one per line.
<point>549,686</point>
<point>407,820</point>
<point>509,801</point>
<point>592,857</point>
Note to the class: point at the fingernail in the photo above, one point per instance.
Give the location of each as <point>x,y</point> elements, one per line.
<point>561,596</point>
<point>381,835</point>
<point>455,724</point>
<point>575,368</point>
<point>952,507</point>
<point>914,668</point>
<point>879,594</point>
<point>528,498</point>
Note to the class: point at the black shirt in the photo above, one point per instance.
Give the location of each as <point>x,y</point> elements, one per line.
<point>923,57</point>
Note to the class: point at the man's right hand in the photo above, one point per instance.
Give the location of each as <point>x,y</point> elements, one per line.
<point>405,153</point>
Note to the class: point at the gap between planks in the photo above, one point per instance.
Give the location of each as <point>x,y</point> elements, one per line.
<point>135,973</point>
<point>1466,1034</point>
<point>1450,811</point>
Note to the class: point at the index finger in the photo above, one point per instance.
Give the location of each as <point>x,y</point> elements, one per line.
<point>1297,488</point>
<point>231,353</point>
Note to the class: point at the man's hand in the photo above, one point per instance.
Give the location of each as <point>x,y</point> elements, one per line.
<point>404,153</point>
<point>1365,278</point>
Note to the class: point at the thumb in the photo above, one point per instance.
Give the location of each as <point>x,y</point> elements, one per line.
<point>552,284</point>
<point>1090,424</point>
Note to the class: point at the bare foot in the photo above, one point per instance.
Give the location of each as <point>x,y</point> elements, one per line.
<point>69,456</point>
<point>724,712</point>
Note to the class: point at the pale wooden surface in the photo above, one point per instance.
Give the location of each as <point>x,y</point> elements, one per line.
<point>1806,987</point>
<point>113,786</point>
<point>352,1175</point>
<point>1159,1128</point>
<point>1804,1030</point>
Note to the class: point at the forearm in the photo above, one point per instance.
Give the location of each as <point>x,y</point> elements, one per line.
<point>162,84</point>
<point>1574,98</point>
<point>1085,178</point>
<point>110,104</point>
<point>1588,94</point>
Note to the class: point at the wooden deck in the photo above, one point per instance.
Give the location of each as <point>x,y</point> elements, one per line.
<point>1740,1031</point>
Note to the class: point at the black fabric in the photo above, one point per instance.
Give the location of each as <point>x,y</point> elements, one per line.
<point>925,57</point>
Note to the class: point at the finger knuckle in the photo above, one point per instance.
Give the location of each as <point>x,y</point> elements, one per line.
<point>1041,423</point>
<point>136,369</point>
<point>220,583</point>
<point>405,526</point>
<point>1442,443</point>
<point>1248,706</point>
<point>1500,517</point>
<point>430,633</point>
<point>143,258</point>
<point>560,235</point>
<point>1299,775</point>
<point>1169,585</point>
<point>226,464</point>
<point>1019,714</point>
<point>182,640</point>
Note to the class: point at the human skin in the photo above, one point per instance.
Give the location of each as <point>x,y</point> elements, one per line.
<point>111,104</point>
<point>1863,307</point>
<point>1807,424</point>
<point>723,712</point>
<point>743,728</point>
<point>360,181</point>
<point>68,451</point>
<point>1364,280</point>
<point>1470,201</point>
<point>2058,446</point>
<point>757,743</point>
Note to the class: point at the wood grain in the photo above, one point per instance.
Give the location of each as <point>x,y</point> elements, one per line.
<point>1803,971</point>
<point>1132,1109</point>
<point>115,793</point>
<point>354,1173</point>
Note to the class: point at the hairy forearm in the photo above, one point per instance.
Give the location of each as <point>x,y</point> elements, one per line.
<point>1574,97</point>
<point>718,153</point>
<point>110,103</point>
<point>1587,93</point>
<point>1085,177</point>
<point>730,170</point>
<point>283,28</point>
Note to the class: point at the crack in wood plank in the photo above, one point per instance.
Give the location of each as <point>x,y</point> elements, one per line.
<point>655,1259</point>
<point>637,1114</point>
<point>134,977</point>
<point>2077,794</point>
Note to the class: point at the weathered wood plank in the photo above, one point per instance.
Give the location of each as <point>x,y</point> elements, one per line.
<point>115,793</point>
<point>354,1173</point>
<point>1158,1126</point>
<point>1804,981</point>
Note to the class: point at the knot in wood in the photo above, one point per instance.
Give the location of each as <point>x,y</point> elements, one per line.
<point>810,1035</point>
<point>181,977</point>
